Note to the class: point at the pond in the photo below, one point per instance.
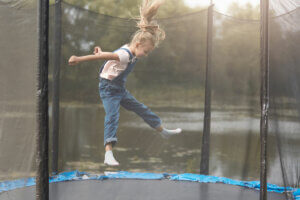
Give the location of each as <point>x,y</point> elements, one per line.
<point>234,150</point>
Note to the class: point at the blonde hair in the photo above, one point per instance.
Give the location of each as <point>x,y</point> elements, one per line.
<point>149,29</point>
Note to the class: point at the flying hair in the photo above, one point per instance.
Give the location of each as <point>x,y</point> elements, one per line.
<point>149,28</point>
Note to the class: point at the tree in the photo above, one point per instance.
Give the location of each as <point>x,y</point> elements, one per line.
<point>236,53</point>
<point>130,8</point>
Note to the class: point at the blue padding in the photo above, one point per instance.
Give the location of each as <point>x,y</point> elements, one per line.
<point>76,175</point>
<point>297,194</point>
<point>131,175</point>
<point>11,185</point>
<point>25,182</point>
<point>214,179</point>
<point>67,176</point>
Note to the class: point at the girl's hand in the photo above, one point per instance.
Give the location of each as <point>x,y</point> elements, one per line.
<point>73,60</point>
<point>97,50</point>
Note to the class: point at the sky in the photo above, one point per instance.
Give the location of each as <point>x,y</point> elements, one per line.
<point>220,5</point>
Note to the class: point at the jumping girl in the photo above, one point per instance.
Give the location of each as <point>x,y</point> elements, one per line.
<point>114,72</point>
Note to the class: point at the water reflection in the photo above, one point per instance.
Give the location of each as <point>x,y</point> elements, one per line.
<point>234,143</point>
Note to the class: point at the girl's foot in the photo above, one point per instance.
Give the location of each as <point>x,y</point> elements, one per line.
<point>165,133</point>
<point>110,160</point>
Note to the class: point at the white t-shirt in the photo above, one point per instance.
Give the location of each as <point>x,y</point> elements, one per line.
<point>114,68</point>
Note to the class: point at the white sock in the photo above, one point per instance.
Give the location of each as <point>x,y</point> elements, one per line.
<point>165,133</point>
<point>110,159</point>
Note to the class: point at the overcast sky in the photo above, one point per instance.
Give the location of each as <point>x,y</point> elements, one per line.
<point>220,5</point>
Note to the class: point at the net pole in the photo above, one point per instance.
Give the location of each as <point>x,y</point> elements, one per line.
<point>264,63</point>
<point>204,164</point>
<point>55,86</point>
<point>42,177</point>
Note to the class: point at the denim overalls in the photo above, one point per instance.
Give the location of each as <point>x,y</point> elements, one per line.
<point>113,94</point>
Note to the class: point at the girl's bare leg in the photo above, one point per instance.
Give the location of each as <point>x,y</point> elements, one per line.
<point>108,147</point>
<point>159,129</point>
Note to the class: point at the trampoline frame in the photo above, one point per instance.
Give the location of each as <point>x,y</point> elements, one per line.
<point>8,186</point>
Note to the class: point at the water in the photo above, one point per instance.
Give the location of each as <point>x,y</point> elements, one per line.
<point>234,151</point>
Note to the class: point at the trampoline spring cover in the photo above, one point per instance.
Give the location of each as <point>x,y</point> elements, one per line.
<point>77,175</point>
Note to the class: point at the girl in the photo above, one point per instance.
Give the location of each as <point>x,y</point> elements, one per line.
<point>113,75</point>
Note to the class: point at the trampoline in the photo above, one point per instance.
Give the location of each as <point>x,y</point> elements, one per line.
<point>136,189</point>
<point>217,99</point>
<point>125,185</point>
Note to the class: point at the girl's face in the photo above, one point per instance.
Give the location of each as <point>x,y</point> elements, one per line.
<point>143,49</point>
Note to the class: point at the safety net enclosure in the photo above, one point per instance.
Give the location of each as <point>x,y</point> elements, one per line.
<point>172,81</point>
<point>18,67</point>
<point>284,88</point>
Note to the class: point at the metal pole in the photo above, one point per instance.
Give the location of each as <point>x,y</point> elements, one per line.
<point>204,164</point>
<point>55,97</point>
<point>264,63</point>
<point>42,179</point>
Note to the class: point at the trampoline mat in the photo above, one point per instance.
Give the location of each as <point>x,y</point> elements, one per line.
<point>125,189</point>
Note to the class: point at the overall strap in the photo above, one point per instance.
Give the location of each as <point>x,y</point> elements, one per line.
<point>130,58</point>
<point>121,78</point>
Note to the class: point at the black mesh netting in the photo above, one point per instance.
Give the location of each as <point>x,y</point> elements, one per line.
<point>18,63</point>
<point>284,90</point>
<point>170,81</point>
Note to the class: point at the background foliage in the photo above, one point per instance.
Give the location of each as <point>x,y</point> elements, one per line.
<point>178,65</point>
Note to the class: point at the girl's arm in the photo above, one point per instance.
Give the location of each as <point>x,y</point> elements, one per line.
<point>98,55</point>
